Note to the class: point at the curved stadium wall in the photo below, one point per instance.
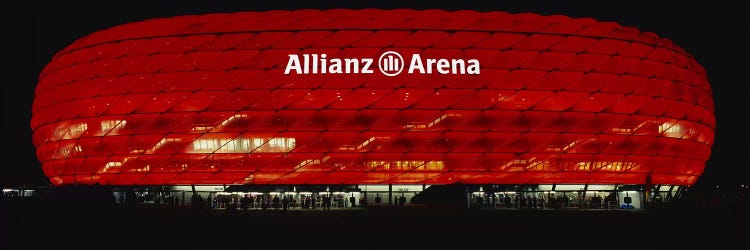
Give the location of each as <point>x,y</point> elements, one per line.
<point>203,99</point>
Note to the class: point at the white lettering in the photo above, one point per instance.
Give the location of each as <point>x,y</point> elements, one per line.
<point>367,63</point>
<point>335,67</point>
<point>293,64</point>
<point>314,63</point>
<point>351,63</point>
<point>443,66</point>
<point>323,63</point>
<point>430,63</point>
<point>306,69</point>
<point>320,64</point>
<point>473,68</point>
<point>416,63</point>
<point>458,64</point>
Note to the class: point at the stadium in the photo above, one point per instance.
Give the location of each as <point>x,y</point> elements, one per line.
<point>557,108</point>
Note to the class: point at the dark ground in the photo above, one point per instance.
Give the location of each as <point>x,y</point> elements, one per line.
<point>30,224</point>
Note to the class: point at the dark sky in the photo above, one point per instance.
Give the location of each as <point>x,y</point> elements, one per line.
<point>713,31</point>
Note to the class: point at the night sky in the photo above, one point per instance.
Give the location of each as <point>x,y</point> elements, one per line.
<point>714,32</point>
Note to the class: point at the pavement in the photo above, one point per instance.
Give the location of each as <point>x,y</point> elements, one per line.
<point>26,224</point>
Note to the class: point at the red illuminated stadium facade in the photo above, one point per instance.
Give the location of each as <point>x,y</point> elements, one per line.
<point>204,100</point>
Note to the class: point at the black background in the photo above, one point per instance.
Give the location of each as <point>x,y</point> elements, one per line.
<point>714,32</point>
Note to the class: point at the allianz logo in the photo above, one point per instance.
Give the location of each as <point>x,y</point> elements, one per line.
<point>390,63</point>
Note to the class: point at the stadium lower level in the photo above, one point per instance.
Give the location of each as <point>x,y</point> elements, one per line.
<point>585,196</point>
